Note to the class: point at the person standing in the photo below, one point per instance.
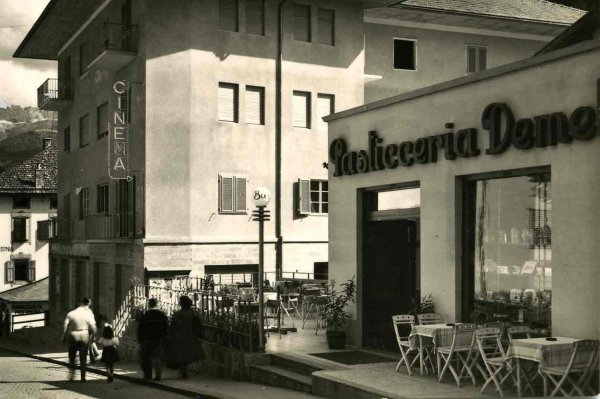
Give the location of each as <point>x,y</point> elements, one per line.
<point>109,352</point>
<point>78,326</point>
<point>152,331</point>
<point>183,338</point>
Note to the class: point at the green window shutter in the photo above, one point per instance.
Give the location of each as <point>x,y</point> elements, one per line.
<point>10,271</point>
<point>240,194</point>
<point>226,184</point>
<point>31,271</point>
<point>303,196</point>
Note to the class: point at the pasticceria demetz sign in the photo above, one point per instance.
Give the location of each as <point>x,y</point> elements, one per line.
<point>497,118</point>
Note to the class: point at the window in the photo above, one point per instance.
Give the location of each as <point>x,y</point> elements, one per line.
<point>302,109</point>
<point>102,120</point>
<point>20,270</point>
<point>228,102</point>
<point>66,206</point>
<point>84,130</point>
<point>232,194</point>
<point>302,27</point>
<point>313,197</point>
<point>125,105</point>
<point>83,58</point>
<point>476,59</point>
<point>325,106</point>
<point>67,139</point>
<point>20,229</point>
<point>21,202</point>
<point>125,207</point>
<point>228,15</point>
<point>53,202</point>
<point>405,54</point>
<point>102,198</point>
<point>508,249</point>
<point>84,203</point>
<point>255,17</point>
<point>255,105</point>
<point>326,26</point>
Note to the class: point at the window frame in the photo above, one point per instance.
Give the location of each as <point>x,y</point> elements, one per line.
<point>236,101</point>
<point>415,53</point>
<point>26,236</point>
<point>26,201</point>
<point>333,26</point>
<point>237,17</point>
<point>308,121</point>
<point>102,131</point>
<point>322,125</point>
<point>476,47</point>
<point>234,194</point>
<point>84,203</point>
<point>262,22</point>
<point>85,117</point>
<point>308,191</point>
<point>309,31</point>
<point>103,198</point>
<point>83,58</point>
<point>261,90</point>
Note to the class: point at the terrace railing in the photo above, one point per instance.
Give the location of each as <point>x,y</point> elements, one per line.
<point>119,37</point>
<point>54,89</point>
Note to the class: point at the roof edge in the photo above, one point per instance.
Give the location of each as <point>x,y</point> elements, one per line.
<point>17,53</point>
<point>465,80</point>
<point>24,285</point>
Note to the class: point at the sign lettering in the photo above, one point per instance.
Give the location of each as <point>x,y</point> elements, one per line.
<point>118,139</point>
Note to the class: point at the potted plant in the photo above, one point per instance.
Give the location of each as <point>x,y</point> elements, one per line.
<point>334,314</point>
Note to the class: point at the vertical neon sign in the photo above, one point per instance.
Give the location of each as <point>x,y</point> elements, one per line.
<point>118,138</point>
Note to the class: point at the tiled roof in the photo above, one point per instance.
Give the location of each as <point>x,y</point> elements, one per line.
<point>32,292</point>
<point>20,178</point>
<point>527,10</point>
<point>580,31</point>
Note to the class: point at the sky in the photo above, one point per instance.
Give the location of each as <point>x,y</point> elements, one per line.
<point>19,77</point>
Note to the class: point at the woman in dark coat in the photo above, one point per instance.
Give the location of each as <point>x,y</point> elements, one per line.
<point>183,345</point>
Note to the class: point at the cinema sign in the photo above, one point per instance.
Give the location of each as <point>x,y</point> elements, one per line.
<point>497,118</point>
<point>118,137</point>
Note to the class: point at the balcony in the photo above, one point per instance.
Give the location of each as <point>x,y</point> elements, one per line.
<point>64,229</point>
<point>47,229</point>
<point>105,227</point>
<point>55,95</point>
<point>117,49</point>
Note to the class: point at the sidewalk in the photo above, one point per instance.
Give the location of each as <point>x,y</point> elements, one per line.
<point>197,385</point>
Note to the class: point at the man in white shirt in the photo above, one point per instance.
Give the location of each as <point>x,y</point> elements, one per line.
<point>79,325</point>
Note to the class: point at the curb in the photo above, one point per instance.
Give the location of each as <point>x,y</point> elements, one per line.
<point>134,380</point>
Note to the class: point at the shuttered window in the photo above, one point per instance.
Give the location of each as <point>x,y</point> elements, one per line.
<point>301,109</point>
<point>255,17</point>
<point>228,102</point>
<point>20,229</point>
<point>232,194</point>
<point>476,59</point>
<point>9,272</point>
<point>228,15</point>
<point>405,54</point>
<point>326,26</point>
<point>102,120</point>
<point>325,106</point>
<point>84,130</point>
<point>302,28</point>
<point>84,203</point>
<point>102,198</point>
<point>313,196</point>
<point>255,105</point>
<point>31,271</point>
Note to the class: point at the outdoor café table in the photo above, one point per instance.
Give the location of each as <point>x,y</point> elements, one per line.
<point>540,350</point>
<point>441,334</point>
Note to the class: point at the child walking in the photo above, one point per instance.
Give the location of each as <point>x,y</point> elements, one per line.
<point>109,354</point>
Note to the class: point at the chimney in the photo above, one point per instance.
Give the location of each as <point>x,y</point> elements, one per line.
<point>39,174</point>
<point>47,142</point>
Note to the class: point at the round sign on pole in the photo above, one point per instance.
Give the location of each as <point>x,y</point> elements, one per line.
<point>261,196</point>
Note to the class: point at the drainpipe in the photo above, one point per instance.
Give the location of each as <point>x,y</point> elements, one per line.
<point>278,125</point>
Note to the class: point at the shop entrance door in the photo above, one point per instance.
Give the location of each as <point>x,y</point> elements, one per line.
<point>390,273</point>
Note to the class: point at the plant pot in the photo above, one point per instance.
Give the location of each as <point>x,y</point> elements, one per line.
<point>336,339</point>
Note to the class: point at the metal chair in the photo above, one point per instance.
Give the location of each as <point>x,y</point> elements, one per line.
<point>404,340</point>
<point>459,351</point>
<point>493,357</point>
<point>429,318</point>
<point>583,362</point>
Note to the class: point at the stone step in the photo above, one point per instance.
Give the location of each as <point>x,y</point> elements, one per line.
<point>280,377</point>
<point>297,365</point>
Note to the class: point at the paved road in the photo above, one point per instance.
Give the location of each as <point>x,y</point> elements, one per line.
<point>23,377</point>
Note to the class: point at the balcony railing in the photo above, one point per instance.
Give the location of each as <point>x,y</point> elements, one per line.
<point>118,46</point>
<point>55,95</point>
<point>104,226</point>
<point>47,229</point>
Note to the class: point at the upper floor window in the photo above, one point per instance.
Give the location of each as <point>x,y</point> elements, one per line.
<point>102,120</point>
<point>232,194</point>
<point>476,59</point>
<point>228,102</point>
<point>84,130</point>
<point>83,57</point>
<point>124,105</point>
<point>229,15</point>
<point>302,23</point>
<point>255,17</point>
<point>20,270</point>
<point>326,26</point>
<point>21,202</point>
<point>325,106</point>
<point>301,106</point>
<point>255,105</point>
<point>67,139</point>
<point>405,54</point>
<point>53,202</point>
<point>20,229</point>
<point>313,196</point>
<point>102,198</point>
<point>84,203</point>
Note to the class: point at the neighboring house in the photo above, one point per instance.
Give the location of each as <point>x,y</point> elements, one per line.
<point>27,206</point>
<point>216,102</point>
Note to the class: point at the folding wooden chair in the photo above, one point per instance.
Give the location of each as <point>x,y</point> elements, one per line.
<point>493,357</point>
<point>515,332</point>
<point>459,351</point>
<point>429,318</point>
<point>404,340</point>
<point>583,363</point>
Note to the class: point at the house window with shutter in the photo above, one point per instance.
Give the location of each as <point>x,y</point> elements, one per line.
<point>229,15</point>
<point>405,54</point>
<point>255,105</point>
<point>102,120</point>
<point>255,17</point>
<point>302,23</point>
<point>84,203</point>
<point>313,197</point>
<point>84,130</point>
<point>228,102</point>
<point>102,198</point>
<point>476,59</point>
<point>326,26</point>
<point>20,229</point>
<point>301,106</point>
<point>325,106</point>
<point>232,194</point>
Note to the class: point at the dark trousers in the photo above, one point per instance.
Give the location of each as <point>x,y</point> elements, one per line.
<point>78,343</point>
<point>150,353</point>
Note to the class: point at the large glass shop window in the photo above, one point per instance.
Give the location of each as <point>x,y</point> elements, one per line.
<point>512,248</point>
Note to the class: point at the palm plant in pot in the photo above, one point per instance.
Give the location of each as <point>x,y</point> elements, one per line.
<point>334,314</point>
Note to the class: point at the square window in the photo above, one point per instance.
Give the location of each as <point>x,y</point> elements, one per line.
<point>302,23</point>
<point>228,102</point>
<point>232,194</point>
<point>405,54</point>
<point>312,197</point>
<point>325,26</point>
<point>476,59</point>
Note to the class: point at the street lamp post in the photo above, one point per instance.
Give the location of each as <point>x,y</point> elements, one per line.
<point>261,199</point>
